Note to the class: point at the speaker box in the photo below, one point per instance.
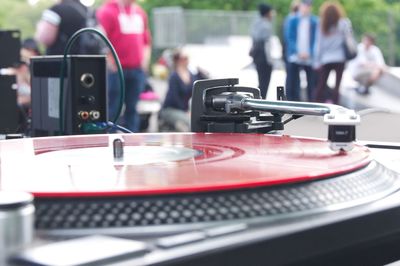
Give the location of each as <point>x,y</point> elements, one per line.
<point>8,105</point>
<point>10,46</point>
<point>84,95</point>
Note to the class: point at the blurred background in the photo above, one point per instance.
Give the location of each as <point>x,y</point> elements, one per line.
<point>215,35</point>
<point>234,18</point>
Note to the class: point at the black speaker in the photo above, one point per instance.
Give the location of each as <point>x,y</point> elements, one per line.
<point>10,46</point>
<point>84,97</point>
<point>8,105</point>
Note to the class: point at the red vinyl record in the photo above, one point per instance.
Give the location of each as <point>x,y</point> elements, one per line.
<point>75,166</point>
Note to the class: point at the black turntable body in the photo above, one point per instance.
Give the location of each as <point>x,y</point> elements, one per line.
<point>367,233</point>
<point>256,230</point>
<point>225,194</point>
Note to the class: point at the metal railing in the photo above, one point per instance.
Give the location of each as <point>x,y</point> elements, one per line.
<point>174,26</point>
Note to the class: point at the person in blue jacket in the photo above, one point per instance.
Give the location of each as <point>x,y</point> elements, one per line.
<point>300,36</point>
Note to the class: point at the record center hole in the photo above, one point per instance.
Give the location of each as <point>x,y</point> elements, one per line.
<point>87,80</point>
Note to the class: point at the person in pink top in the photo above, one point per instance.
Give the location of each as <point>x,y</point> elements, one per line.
<point>126,25</point>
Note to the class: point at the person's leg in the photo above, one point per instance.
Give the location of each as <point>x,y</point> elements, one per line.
<point>339,68</point>
<point>268,78</point>
<point>293,82</point>
<point>135,81</point>
<point>376,73</point>
<point>296,83</point>
<point>264,76</point>
<point>176,119</point>
<point>362,76</point>
<point>323,75</point>
<point>113,95</point>
<point>311,82</point>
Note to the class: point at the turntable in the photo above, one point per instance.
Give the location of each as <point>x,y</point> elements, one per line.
<point>225,194</point>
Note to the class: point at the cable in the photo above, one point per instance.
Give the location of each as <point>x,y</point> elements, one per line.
<point>70,42</point>
<point>102,127</point>
<point>293,117</point>
<point>121,128</point>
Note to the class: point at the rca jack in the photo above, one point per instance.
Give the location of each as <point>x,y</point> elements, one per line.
<point>94,115</point>
<point>84,115</point>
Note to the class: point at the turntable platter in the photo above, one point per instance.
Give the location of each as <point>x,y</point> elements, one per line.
<point>167,183</point>
<point>168,163</point>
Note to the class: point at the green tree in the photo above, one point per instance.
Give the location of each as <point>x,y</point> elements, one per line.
<point>380,17</point>
<point>18,14</point>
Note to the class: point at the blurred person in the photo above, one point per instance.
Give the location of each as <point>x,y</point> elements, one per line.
<point>294,8</point>
<point>174,114</point>
<point>261,32</point>
<point>163,66</point>
<point>29,48</point>
<point>300,34</point>
<point>126,26</point>
<point>369,65</point>
<point>330,53</point>
<point>23,84</point>
<point>58,24</point>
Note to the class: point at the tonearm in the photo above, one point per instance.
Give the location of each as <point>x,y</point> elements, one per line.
<point>219,105</point>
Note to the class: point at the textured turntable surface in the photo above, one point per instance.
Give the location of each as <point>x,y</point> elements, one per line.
<point>167,163</point>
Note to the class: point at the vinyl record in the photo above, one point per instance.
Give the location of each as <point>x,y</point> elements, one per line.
<point>154,164</point>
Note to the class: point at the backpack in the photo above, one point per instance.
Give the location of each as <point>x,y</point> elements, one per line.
<point>89,43</point>
<point>350,43</point>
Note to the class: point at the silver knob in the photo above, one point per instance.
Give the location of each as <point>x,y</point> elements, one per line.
<point>16,222</point>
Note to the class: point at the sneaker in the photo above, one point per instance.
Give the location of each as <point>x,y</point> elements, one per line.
<point>362,90</point>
